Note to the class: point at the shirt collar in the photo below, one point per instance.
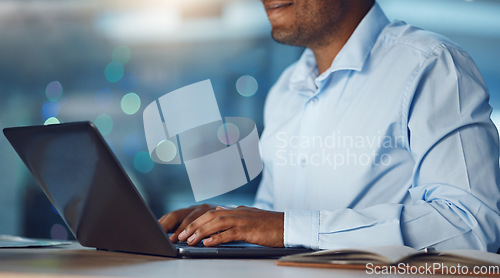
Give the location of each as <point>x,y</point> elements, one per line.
<point>351,57</point>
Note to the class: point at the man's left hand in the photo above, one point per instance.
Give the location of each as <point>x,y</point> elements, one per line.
<point>240,224</point>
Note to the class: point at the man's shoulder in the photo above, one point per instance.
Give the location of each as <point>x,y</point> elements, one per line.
<point>399,34</point>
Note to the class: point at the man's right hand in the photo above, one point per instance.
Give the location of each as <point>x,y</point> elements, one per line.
<point>177,221</point>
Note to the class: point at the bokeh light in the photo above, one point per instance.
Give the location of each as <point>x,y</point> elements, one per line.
<point>166,151</point>
<point>104,97</point>
<point>228,134</point>
<point>131,145</point>
<point>121,54</point>
<point>114,71</point>
<point>131,103</point>
<point>50,109</point>
<point>247,86</point>
<point>58,232</point>
<point>143,163</point>
<point>104,123</point>
<point>54,91</point>
<point>52,121</point>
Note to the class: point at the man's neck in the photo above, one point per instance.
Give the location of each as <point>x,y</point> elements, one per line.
<point>326,52</point>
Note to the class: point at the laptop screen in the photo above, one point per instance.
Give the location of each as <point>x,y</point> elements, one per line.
<point>89,188</point>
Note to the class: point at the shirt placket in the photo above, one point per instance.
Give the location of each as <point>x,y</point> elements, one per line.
<point>308,125</point>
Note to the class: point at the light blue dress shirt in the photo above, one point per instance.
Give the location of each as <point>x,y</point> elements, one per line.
<point>392,145</point>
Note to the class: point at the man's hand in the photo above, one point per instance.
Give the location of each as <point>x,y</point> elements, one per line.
<point>178,220</point>
<point>243,223</point>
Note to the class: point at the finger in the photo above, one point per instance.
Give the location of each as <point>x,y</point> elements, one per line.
<point>169,221</point>
<point>201,221</point>
<point>217,225</point>
<point>190,215</point>
<point>187,229</point>
<point>232,234</point>
<point>182,226</point>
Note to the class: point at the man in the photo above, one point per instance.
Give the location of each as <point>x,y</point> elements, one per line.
<point>379,135</point>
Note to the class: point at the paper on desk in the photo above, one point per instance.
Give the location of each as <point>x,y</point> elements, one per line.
<point>7,241</point>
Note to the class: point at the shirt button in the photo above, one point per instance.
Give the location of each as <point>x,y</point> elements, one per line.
<point>302,162</point>
<point>314,100</point>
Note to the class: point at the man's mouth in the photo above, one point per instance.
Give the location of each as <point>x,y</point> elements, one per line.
<point>274,5</point>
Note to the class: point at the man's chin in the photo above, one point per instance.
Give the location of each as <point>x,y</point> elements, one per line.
<point>285,37</point>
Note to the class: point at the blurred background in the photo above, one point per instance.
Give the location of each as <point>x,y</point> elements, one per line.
<point>105,61</point>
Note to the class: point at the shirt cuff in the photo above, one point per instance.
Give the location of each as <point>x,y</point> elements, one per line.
<point>301,228</point>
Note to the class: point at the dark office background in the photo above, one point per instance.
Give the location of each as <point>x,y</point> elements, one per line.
<point>105,61</point>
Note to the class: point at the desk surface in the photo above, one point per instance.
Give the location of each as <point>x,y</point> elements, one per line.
<point>77,261</point>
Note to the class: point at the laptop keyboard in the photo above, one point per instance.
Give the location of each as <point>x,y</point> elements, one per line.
<point>234,244</point>
<point>184,244</point>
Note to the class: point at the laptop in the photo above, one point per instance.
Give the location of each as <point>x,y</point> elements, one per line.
<point>97,200</point>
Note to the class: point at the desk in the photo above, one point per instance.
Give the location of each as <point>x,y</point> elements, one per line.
<point>77,261</point>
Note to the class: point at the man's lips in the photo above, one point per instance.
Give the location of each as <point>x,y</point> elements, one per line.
<point>273,5</point>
